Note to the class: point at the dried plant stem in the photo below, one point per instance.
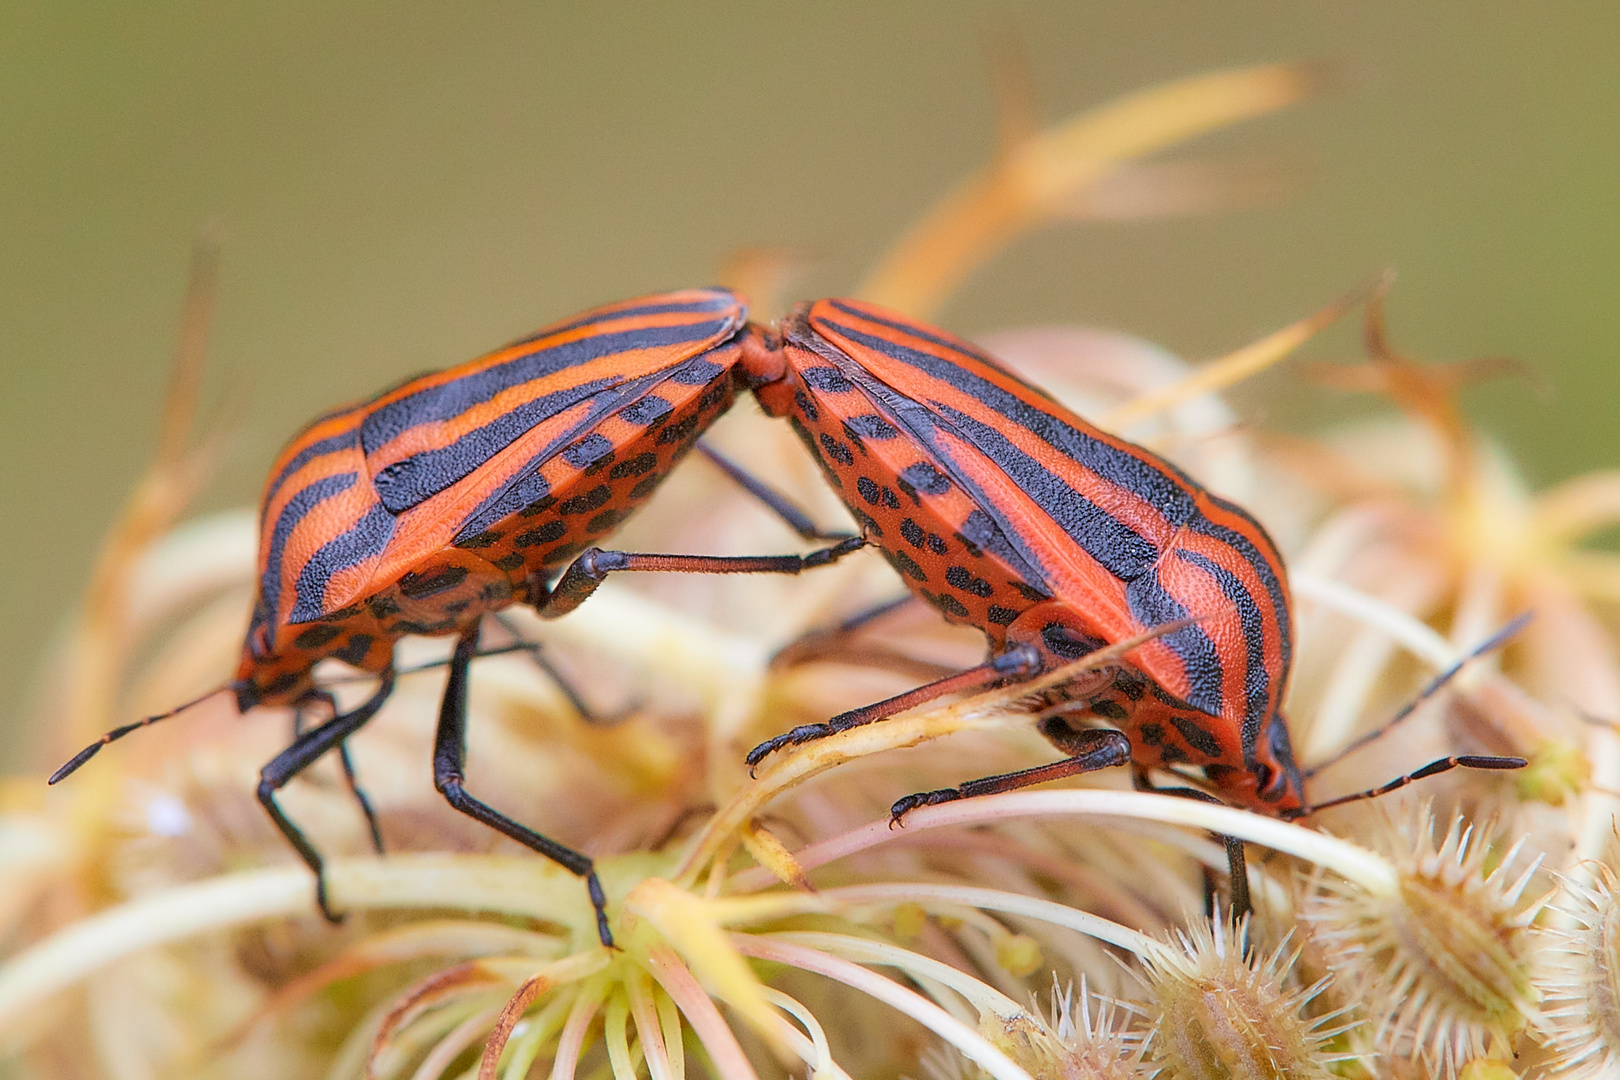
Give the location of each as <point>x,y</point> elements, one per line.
<point>973,1046</point>
<point>1372,872</point>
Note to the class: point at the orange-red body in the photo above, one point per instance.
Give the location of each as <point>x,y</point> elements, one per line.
<point>463,491</point>
<point>1007,512</point>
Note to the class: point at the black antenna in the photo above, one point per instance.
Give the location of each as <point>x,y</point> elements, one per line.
<point>119,732</point>
<point>1433,768</point>
<point>1435,685</point>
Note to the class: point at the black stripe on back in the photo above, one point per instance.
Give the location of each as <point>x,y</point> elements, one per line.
<point>410,481</point>
<point>1156,482</point>
<point>1256,680</point>
<point>719,300</point>
<point>1152,606</point>
<point>332,444</point>
<point>301,503</point>
<point>526,485</point>
<point>1264,570</point>
<point>1121,550</point>
<point>451,399</point>
<point>993,534</point>
<point>362,540</point>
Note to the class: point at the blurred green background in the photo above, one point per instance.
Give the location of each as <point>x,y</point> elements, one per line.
<point>405,185</point>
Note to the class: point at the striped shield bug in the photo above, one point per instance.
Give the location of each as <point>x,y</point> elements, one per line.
<point>460,492</point>
<point>1007,512</point>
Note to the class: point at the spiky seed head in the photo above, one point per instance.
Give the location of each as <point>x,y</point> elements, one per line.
<point>1219,1009</point>
<point>1441,965</point>
<point>1580,979</point>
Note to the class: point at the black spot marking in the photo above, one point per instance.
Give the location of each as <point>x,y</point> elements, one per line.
<point>1164,696</point>
<point>355,649</point>
<point>316,636</point>
<point>1171,754</point>
<point>1030,592</point>
<point>1130,684</point>
<point>826,379</point>
<point>539,506</point>
<point>590,500</point>
<point>1000,616</point>
<point>950,605</point>
<point>342,614</point>
<point>961,577</point>
<point>417,587</point>
<point>586,451</point>
<point>912,532</point>
<point>925,478</point>
<point>1197,736</point>
<point>645,411</point>
<point>1110,710</point>
<point>936,544</point>
<point>645,486</point>
<point>870,426</point>
<point>382,606</point>
<point>280,684</point>
<point>481,540</point>
<point>551,531</point>
<point>1065,643</point>
<point>836,450</point>
<point>869,490</point>
<point>602,522</point>
<point>1152,734</point>
<point>806,407</point>
<point>633,466</point>
<point>508,562</point>
<point>678,432</point>
<point>890,499</point>
<point>906,565</point>
<point>866,523</point>
<point>714,395</point>
<point>563,552</point>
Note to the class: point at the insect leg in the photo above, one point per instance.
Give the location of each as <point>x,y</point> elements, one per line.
<point>1237,863</point>
<point>304,752</point>
<point>324,697</point>
<point>1090,750</point>
<point>585,573</point>
<point>775,501</point>
<point>837,644</point>
<point>1020,661</point>
<point>449,760</point>
<point>537,654</point>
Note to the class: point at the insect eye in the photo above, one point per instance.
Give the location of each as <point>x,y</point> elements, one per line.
<point>1267,779</point>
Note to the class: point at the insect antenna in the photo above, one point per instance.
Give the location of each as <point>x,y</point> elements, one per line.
<point>1435,685</point>
<point>1433,768</point>
<point>119,732</point>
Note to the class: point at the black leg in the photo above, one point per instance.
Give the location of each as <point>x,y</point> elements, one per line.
<point>449,760</point>
<point>775,501</point>
<point>1091,749</point>
<point>839,644</point>
<point>585,573</point>
<point>304,752</point>
<point>360,797</point>
<point>537,653</point>
<point>1237,863</point>
<point>324,697</point>
<point>1019,662</point>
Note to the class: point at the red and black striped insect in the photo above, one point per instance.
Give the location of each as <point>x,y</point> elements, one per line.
<point>1007,512</point>
<point>460,492</point>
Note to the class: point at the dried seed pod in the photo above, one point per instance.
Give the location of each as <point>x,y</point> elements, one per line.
<point>1440,966</point>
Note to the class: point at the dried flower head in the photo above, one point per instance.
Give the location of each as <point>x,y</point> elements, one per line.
<point>1440,964</point>
<point>1579,979</point>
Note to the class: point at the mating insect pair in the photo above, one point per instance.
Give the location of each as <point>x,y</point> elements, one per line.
<point>462,492</point>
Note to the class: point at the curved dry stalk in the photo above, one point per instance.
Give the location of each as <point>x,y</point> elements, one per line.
<point>1034,180</point>
<point>973,1046</point>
